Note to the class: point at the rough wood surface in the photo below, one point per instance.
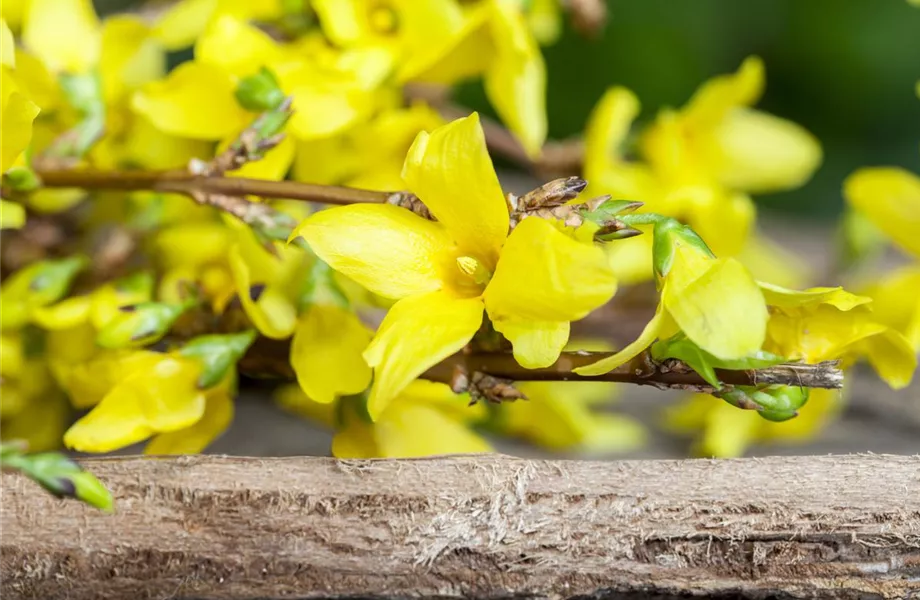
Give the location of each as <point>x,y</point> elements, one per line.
<point>472,526</point>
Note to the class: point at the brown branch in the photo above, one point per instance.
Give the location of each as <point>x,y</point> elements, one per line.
<point>270,358</point>
<point>487,526</point>
<point>189,184</point>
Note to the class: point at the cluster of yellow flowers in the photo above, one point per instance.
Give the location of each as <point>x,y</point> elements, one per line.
<point>151,350</point>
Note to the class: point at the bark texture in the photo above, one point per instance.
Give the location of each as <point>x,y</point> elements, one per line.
<point>486,526</point>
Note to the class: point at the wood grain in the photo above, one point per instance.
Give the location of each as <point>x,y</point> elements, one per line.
<point>487,526</point>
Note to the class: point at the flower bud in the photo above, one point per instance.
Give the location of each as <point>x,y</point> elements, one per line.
<point>259,92</point>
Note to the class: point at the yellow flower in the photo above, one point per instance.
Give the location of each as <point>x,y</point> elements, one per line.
<point>717,135</point>
<point>890,198</point>
<point>560,416</point>
<point>64,34</point>
<point>183,23</point>
<point>444,273</point>
<point>18,112</point>
<point>895,301</point>
<point>217,416</point>
<point>714,301</point>
<point>828,323</point>
<point>425,418</point>
<point>725,431</point>
<point>440,42</point>
<point>722,217</point>
<point>153,393</point>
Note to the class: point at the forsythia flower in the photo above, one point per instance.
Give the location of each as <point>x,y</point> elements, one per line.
<point>715,302</point>
<point>18,113</point>
<point>425,418</point>
<point>560,416</point>
<point>442,42</point>
<point>829,323</point>
<point>444,273</point>
<point>698,164</point>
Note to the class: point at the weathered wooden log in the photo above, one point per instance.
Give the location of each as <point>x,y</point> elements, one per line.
<point>472,527</point>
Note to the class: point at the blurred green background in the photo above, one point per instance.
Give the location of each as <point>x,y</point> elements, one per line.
<point>844,69</point>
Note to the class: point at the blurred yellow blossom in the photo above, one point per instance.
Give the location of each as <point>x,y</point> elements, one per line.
<point>424,418</point>
<point>722,430</point>
<point>829,323</point>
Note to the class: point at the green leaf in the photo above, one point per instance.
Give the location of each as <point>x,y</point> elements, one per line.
<point>704,363</point>
<point>320,287</point>
<point>668,233</point>
<point>218,354</point>
<point>140,324</point>
<point>57,474</point>
<point>611,209</point>
<point>21,179</point>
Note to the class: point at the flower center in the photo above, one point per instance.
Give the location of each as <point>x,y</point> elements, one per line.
<point>474,269</point>
<point>383,18</point>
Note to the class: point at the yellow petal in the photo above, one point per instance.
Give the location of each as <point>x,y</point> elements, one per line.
<point>721,308</point>
<point>35,81</point>
<point>536,344</point>
<point>147,146</point>
<point>890,198</point>
<point>811,298</point>
<point>724,221</point>
<point>545,275</point>
<point>895,303</point>
<point>41,421</point>
<point>235,46</point>
<point>65,314</point>
<point>450,170</point>
<point>194,101</point>
<point>218,414</point>
<point>387,249</point>
<point>409,429</point>
<point>356,439</point>
<point>607,130</point>
<point>343,21</point>
<point>7,46</point>
<point>181,24</point>
<point>417,333</point>
<point>516,80</point>
<point>770,262</point>
<point>193,244</point>
<point>715,98</point>
<point>605,365</point>
<point>291,398</point>
<point>273,314</point>
<point>892,356</point>
<point>455,49</point>
<point>12,215</point>
<point>65,34</point>
<point>16,128</point>
<point>757,152</point>
<point>729,430</point>
<point>129,58</point>
<point>326,353</point>
<point>439,395</point>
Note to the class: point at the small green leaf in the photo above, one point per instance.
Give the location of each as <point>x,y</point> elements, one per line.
<point>320,287</point>
<point>22,179</point>
<point>704,363</point>
<point>668,234</point>
<point>140,324</point>
<point>57,474</point>
<point>218,354</point>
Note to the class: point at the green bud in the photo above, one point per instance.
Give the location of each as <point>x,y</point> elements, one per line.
<point>90,490</point>
<point>39,284</point>
<point>22,179</point>
<point>259,92</point>
<point>773,403</point>
<point>218,354</point>
<point>140,324</point>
